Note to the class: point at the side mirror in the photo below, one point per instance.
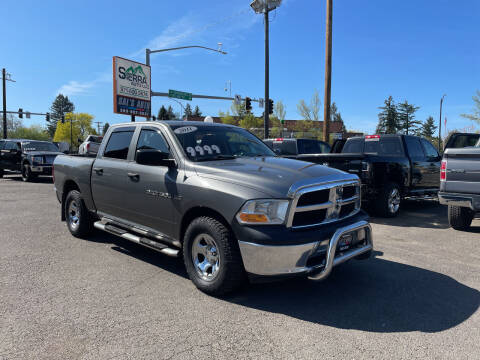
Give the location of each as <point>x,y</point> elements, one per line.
<point>154,158</point>
<point>277,151</point>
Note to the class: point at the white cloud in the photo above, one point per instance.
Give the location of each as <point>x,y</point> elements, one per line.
<point>74,87</point>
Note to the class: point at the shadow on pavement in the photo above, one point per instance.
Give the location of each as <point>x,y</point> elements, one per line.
<point>376,295</point>
<point>418,213</point>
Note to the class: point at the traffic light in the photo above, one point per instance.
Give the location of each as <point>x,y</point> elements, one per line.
<point>270,106</point>
<point>20,113</point>
<point>63,119</point>
<point>248,104</point>
<point>47,117</point>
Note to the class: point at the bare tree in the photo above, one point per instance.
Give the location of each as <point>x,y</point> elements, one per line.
<point>312,111</point>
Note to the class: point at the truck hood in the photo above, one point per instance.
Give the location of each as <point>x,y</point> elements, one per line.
<point>271,175</point>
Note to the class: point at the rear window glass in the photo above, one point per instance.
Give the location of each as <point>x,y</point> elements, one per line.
<point>312,147</point>
<point>353,146</point>
<point>462,141</point>
<point>118,144</point>
<point>385,146</point>
<point>95,139</point>
<point>286,147</point>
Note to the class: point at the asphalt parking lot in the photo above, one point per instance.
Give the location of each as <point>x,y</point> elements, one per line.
<point>65,298</point>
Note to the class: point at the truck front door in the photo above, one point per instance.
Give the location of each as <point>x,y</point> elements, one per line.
<point>152,194</point>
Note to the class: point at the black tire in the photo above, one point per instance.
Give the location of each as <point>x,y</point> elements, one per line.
<point>387,204</point>
<point>1,173</point>
<point>27,175</point>
<point>460,218</point>
<point>77,216</point>
<point>230,273</point>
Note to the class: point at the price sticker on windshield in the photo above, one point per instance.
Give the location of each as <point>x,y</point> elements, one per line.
<point>185,130</point>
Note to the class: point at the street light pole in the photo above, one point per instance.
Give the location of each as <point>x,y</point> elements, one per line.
<point>266,109</point>
<point>4,86</point>
<point>328,73</point>
<point>440,125</point>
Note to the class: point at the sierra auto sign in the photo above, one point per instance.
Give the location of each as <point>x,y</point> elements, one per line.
<point>131,87</point>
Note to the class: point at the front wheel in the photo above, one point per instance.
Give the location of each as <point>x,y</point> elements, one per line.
<point>78,218</point>
<point>212,257</point>
<point>27,173</point>
<point>460,218</point>
<point>388,202</point>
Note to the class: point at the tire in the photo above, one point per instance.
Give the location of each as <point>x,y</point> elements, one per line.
<point>208,244</point>
<point>388,202</point>
<point>27,175</point>
<point>460,218</point>
<point>77,216</point>
<point>1,173</point>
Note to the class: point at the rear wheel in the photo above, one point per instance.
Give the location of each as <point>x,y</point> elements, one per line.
<point>460,218</point>
<point>388,202</point>
<point>79,221</point>
<point>212,257</point>
<point>1,173</point>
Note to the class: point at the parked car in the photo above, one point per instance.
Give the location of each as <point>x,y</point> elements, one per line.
<point>391,168</point>
<point>31,158</point>
<point>218,195</point>
<point>460,185</point>
<point>461,140</point>
<point>295,148</point>
<point>90,145</point>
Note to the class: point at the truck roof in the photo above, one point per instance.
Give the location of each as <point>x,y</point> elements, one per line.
<point>172,123</point>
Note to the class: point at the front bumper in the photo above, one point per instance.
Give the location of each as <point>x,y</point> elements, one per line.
<point>470,201</point>
<point>41,169</point>
<point>315,258</point>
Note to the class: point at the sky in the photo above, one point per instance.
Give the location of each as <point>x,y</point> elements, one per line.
<point>412,50</point>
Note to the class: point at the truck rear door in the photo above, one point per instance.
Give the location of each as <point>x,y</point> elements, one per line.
<point>419,163</point>
<point>432,177</point>
<point>109,179</point>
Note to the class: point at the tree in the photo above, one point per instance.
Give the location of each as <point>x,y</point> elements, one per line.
<point>406,117</point>
<point>388,118</point>
<point>60,106</point>
<point>279,110</point>
<point>197,111</point>
<point>428,128</point>
<point>81,126</point>
<point>334,114</point>
<point>188,111</point>
<point>312,111</point>
<point>170,113</point>
<point>33,132</point>
<point>105,128</point>
<point>162,113</point>
<point>476,110</point>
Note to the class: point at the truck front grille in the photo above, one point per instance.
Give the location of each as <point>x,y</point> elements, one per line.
<point>319,204</point>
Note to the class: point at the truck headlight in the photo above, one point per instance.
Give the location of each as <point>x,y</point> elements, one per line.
<point>37,159</point>
<point>264,211</point>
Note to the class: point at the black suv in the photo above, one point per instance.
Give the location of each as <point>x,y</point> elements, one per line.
<point>29,157</point>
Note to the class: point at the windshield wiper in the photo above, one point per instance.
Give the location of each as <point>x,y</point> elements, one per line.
<point>218,157</point>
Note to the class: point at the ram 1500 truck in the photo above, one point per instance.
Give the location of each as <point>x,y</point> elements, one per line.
<point>460,185</point>
<point>220,197</point>
<point>391,167</point>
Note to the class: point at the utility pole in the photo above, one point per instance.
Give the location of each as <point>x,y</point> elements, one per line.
<point>98,126</point>
<point>266,112</point>
<point>4,76</point>
<point>440,125</point>
<point>328,73</point>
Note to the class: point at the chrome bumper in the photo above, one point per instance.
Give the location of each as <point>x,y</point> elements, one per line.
<point>292,259</point>
<point>41,168</point>
<point>463,200</point>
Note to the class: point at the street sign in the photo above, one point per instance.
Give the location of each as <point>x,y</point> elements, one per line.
<point>260,102</point>
<point>238,99</point>
<point>337,136</point>
<point>180,95</point>
<point>131,87</point>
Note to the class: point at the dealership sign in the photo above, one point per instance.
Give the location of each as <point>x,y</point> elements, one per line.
<point>131,87</point>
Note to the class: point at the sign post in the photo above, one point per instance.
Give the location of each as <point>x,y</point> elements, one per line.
<point>131,88</point>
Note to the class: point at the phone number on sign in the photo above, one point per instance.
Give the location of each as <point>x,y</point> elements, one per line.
<point>124,90</point>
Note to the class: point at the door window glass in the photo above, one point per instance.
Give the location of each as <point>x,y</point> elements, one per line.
<point>152,140</point>
<point>2,144</point>
<point>414,148</point>
<point>12,146</point>
<point>429,149</point>
<point>118,144</point>
<point>312,147</point>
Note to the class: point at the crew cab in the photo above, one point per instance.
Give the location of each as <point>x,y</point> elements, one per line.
<point>296,148</point>
<point>460,185</point>
<point>31,158</point>
<point>218,196</point>
<point>391,167</point>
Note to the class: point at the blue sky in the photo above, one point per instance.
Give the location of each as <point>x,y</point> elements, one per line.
<point>414,50</point>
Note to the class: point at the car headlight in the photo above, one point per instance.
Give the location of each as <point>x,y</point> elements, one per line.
<point>264,211</point>
<point>37,159</point>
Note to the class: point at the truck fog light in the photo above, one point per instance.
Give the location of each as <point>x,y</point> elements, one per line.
<point>361,235</point>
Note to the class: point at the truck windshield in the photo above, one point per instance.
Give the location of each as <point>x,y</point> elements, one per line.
<point>204,143</point>
<point>39,146</point>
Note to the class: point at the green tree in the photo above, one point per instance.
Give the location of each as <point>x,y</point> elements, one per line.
<point>81,127</point>
<point>162,113</point>
<point>197,111</point>
<point>33,132</point>
<point>105,128</point>
<point>428,128</point>
<point>188,111</point>
<point>388,118</point>
<point>279,110</point>
<point>476,110</point>
<point>60,106</point>
<point>312,111</point>
<point>406,118</point>
<point>170,113</point>
<point>334,113</point>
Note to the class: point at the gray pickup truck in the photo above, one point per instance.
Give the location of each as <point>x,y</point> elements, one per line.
<point>460,185</point>
<point>219,197</point>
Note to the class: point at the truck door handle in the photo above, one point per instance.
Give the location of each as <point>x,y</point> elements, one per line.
<point>133,176</point>
<point>99,171</point>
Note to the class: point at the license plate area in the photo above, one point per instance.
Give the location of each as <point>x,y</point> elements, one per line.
<point>346,241</point>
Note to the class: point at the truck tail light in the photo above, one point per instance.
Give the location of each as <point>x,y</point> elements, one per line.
<point>87,147</point>
<point>372,137</point>
<point>443,170</point>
